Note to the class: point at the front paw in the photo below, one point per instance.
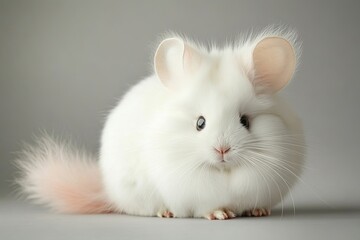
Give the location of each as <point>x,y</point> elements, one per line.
<point>165,214</point>
<point>220,214</point>
<point>257,212</point>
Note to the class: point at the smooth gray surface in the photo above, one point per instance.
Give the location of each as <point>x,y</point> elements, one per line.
<point>63,64</point>
<point>21,222</point>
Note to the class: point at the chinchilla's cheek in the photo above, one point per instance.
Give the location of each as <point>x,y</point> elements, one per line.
<point>267,125</point>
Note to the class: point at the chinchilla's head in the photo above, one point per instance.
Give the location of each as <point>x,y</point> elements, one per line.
<point>219,113</point>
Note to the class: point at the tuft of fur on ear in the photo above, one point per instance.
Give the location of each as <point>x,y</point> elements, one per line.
<point>271,58</point>
<point>65,179</point>
<point>174,59</point>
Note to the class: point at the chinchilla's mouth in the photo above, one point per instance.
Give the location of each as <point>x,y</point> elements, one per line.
<point>222,165</point>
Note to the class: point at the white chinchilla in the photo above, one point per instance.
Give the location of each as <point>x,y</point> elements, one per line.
<point>205,136</point>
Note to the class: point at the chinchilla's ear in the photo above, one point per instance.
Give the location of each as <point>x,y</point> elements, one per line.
<point>274,63</point>
<point>173,60</point>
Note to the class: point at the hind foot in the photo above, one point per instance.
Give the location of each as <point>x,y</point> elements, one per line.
<point>257,212</point>
<point>220,214</point>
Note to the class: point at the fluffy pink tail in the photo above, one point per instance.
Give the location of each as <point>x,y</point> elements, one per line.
<point>61,177</point>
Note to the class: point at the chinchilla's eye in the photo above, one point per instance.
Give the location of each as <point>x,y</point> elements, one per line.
<point>200,124</point>
<point>244,120</point>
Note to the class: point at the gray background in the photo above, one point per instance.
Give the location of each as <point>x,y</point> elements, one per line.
<point>63,64</point>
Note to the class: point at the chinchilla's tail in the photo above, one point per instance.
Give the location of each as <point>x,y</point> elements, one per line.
<point>67,180</point>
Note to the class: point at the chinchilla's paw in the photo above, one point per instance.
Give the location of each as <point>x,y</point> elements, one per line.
<point>220,214</point>
<point>257,212</point>
<point>165,214</point>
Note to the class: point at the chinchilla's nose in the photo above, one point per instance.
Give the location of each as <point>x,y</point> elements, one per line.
<point>222,149</point>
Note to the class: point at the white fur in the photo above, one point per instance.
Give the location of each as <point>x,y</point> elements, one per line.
<point>153,159</point>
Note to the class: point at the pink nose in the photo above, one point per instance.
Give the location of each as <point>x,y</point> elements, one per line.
<point>223,150</point>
